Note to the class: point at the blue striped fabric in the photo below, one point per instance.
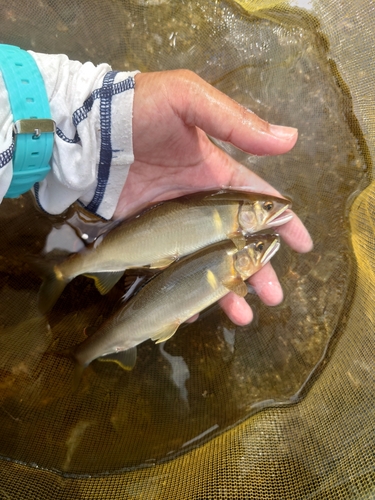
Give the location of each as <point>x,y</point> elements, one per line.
<point>6,156</point>
<point>105,94</point>
<point>105,158</point>
<point>82,113</point>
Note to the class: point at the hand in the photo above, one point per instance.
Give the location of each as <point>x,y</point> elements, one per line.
<point>173,112</point>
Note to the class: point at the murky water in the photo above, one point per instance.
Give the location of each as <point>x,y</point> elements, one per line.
<point>211,374</point>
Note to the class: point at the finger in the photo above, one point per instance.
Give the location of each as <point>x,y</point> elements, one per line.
<point>193,318</point>
<point>237,309</point>
<point>267,285</point>
<point>203,104</point>
<point>294,233</point>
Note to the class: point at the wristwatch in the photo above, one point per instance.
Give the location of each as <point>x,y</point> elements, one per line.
<point>33,128</point>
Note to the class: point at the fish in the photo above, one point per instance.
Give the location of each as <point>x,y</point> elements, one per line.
<point>184,289</point>
<point>164,233</point>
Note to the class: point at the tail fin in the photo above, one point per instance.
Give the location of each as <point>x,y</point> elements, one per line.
<point>50,290</point>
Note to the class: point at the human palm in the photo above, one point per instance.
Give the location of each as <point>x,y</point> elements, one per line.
<point>173,113</point>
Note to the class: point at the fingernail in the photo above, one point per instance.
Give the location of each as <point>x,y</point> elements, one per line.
<point>283,132</point>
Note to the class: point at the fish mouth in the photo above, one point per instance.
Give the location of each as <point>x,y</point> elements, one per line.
<point>281,217</point>
<point>271,250</point>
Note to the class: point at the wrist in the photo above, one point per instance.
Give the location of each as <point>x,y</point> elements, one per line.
<point>33,128</point>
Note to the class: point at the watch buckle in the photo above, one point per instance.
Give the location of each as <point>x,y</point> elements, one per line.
<point>35,126</point>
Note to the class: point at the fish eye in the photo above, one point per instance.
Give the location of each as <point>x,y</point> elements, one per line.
<point>259,246</point>
<point>268,205</point>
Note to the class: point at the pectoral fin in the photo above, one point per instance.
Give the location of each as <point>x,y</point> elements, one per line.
<point>166,332</point>
<point>237,286</point>
<point>125,359</point>
<point>238,239</point>
<point>104,282</point>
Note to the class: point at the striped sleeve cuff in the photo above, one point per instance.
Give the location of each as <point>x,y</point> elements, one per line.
<point>92,107</point>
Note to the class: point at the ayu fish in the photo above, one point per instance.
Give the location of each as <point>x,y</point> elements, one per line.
<point>184,289</point>
<point>164,233</point>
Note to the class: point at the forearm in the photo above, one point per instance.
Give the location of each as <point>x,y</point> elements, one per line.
<point>92,107</point>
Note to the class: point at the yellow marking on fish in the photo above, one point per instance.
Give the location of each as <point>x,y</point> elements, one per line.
<point>211,279</point>
<point>217,221</point>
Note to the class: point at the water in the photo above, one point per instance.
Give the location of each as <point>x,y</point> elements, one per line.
<point>211,374</point>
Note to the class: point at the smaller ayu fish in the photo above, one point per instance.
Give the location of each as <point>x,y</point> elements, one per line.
<point>175,295</point>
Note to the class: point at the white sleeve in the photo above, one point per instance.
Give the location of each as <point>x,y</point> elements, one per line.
<point>92,107</point>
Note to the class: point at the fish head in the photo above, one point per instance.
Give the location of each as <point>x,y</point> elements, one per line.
<point>258,251</point>
<point>264,212</point>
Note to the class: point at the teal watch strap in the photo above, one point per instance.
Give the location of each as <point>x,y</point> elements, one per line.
<point>33,127</point>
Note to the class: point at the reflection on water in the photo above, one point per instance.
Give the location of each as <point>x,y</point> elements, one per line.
<point>210,374</point>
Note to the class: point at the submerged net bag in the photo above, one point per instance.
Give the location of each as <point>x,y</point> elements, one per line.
<point>283,408</point>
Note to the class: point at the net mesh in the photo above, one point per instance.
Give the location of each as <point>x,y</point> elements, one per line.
<point>281,409</point>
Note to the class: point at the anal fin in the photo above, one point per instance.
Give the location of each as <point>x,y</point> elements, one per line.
<point>105,281</point>
<point>162,263</point>
<point>125,359</point>
<point>166,332</point>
